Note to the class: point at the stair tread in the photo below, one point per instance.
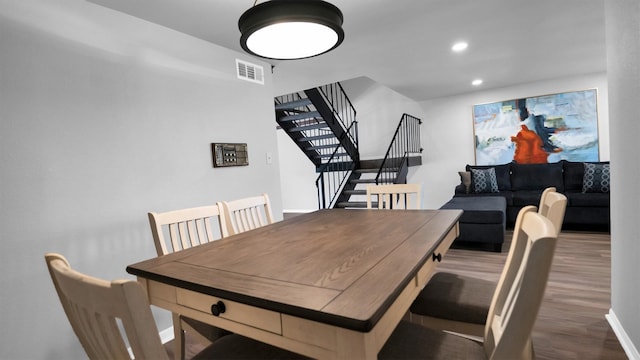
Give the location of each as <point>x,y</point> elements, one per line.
<point>363,181</point>
<point>355,204</point>
<point>318,147</point>
<point>293,104</point>
<point>355,192</point>
<point>329,155</point>
<point>369,171</point>
<point>317,137</point>
<point>300,116</point>
<point>321,125</point>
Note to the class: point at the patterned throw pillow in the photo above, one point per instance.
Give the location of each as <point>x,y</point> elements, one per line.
<point>484,180</point>
<point>597,178</point>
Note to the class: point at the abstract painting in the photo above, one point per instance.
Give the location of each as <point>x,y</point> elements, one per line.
<point>534,130</point>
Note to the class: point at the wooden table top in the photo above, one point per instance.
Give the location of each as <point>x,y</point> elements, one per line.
<point>340,267</point>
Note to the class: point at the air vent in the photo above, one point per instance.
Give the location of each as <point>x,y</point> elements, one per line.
<point>250,72</point>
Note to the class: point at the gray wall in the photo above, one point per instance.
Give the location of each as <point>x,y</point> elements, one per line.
<point>103,118</point>
<point>623,57</point>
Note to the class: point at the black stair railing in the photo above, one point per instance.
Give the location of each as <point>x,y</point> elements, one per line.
<point>405,142</point>
<point>334,174</point>
<point>316,119</point>
<point>344,112</point>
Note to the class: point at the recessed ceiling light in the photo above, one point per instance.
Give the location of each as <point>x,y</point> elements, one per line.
<point>476,82</point>
<point>459,46</point>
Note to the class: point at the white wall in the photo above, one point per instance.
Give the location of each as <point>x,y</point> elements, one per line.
<point>447,132</point>
<point>379,110</point>
<point>104,117</point>
<point>623,56</point>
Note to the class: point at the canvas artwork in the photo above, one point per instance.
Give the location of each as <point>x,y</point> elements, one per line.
<point>542,129</point>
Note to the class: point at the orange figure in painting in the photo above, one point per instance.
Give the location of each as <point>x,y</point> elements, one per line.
<point>529,147</point>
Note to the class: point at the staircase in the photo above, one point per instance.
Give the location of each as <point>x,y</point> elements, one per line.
<point>322,123</point>
<point>403,151</point>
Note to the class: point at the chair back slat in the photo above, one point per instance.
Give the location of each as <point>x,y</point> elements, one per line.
<point>520,290</point>
<point>186,228</point>
<point>395,196</point>
<point>247,214</point>
<point>94,307</point>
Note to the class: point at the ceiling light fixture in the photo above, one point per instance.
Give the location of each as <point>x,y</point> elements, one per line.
<point>291,29</point>
<point>459,46</point>
<point>476,82</point>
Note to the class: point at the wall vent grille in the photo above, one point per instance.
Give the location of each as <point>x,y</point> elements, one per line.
<point>250,72</point>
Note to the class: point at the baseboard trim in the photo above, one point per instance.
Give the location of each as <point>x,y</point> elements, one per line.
<point>623,338</point>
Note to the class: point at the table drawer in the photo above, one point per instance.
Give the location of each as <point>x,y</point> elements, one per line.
<point>428,268</point>
<point>231,310</point>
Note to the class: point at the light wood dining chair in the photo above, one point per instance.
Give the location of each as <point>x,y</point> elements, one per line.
<point>247,214</point>
<point>394,196</point>
<point>460,303</point>
<point>96,307</point>
<point>512,313</point>
<point>181,229</point>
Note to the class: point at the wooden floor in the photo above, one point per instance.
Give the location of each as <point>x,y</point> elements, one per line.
<point>571,323</point>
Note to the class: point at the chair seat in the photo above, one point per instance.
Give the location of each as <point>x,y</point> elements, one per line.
<point>455,297</point>
<point>413,341</point>
<point>235,347</point>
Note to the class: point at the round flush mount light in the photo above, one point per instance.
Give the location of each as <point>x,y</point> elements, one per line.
<point>291,29</point>
<point>476,82</point>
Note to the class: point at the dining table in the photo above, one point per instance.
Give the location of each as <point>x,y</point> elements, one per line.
<point>329,284</point>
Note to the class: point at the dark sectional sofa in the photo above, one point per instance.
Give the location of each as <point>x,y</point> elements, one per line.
<point>522,184</point>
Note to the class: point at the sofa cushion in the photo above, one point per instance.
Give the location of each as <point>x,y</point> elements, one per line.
<point>507,195</point>
<point>577,199</point>
<point>484,181</point>
<point>479,209</point>
<point>573,173</point>
<point>597,178</point>
<point>503,174</point>
<point>536,176</point>
<point>526,197</point>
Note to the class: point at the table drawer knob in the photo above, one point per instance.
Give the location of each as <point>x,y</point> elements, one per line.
<point>218,308</point>
<point>437,257</point>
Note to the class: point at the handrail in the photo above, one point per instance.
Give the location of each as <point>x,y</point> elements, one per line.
<point>334,174</point>
<point>406,141</point>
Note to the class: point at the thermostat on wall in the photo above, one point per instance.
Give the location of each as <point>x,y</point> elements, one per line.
<point>229,154</point>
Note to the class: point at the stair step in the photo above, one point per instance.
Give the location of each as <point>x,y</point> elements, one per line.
<point>329,155</point>
<point>293,104</point>
<point>321,125</point>
<point>355,192</point>
<point>319,147</point>
<point>318,137</point>
<point>375,171</point>
<point>363,181</point>
<point>355,204</point>
<point>304,115</point>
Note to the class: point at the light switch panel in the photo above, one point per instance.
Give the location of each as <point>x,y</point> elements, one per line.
<point>226,154</point>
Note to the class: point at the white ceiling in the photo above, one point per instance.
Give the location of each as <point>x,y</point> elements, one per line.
<point>405,44</point>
